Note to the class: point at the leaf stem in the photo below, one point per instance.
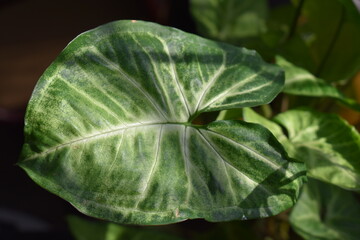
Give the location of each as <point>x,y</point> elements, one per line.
<point>332,43</point>
<point>295,19</point>
<point>284,103</point>
<point>266,110</point>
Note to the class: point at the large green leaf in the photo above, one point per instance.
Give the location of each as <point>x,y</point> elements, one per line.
<point>299,81</point>
<point>325,212</point>
<point>327,144</point>
<point>109,129</point>
<point>229,20</point>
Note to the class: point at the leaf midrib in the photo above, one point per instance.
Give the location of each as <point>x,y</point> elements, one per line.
<point>112,131</point>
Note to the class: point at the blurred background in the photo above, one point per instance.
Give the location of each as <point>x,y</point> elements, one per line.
<point>33,32</point>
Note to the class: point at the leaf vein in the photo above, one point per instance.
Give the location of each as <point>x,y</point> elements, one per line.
<point>151,175</point>
<point>130,80</point>
<point>213,79</point>
<point>224,93</point>
<point>175,75</point>
<point>228,164</point>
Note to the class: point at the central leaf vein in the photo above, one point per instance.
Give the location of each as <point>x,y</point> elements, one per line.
<point>95,136</point>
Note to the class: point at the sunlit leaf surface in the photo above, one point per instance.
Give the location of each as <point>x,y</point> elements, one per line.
<point>328,145</point>
<point>109,129</point>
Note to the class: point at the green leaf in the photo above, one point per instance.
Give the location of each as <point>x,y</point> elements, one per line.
<point>328,145</point>
<point>332,32</point>
<point>83,229</point>
<point>351,10</point>
<point>251,116</point>
<point>326,212</point>
<point>298,81</point>
<point>109,129</point>
<point>297,51</point>
<point>229,20</point>
<point>87,230</point>
<point>230,114</point>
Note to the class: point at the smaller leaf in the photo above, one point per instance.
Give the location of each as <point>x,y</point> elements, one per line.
<point>299,81</point>
<point>328,145</point>
<point>83,229</point>
<point>326,212</point>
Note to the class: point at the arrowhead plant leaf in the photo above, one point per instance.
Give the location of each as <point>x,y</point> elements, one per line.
<point>229,20</point>
<point>109,128</point>
<point>300,82</point>
<point>327,144</point>
<point>326,212</point>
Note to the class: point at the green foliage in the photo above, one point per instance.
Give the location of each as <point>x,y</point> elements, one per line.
<point>230,20</point>
<point>300,82</point>
<point>327,144</point>
<point>111,126</point>
<point>110,121</point>
<point>83,229</point>
<point>326,212</point>
<point>251,116</point>
<point>332,32</point>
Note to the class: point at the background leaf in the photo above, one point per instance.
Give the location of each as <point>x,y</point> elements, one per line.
<point>229,20</point>
<point>326,212</point>
<point>109,129</point>
<point>300,82</point>
<point>83,229</point>
<point>327,144</point>
<point>332,31</point>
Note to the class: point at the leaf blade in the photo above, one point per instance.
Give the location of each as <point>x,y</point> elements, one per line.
<point>298,81</point>
<point>108,128</point>
<point>326,212</point>
<point>330,156</point>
